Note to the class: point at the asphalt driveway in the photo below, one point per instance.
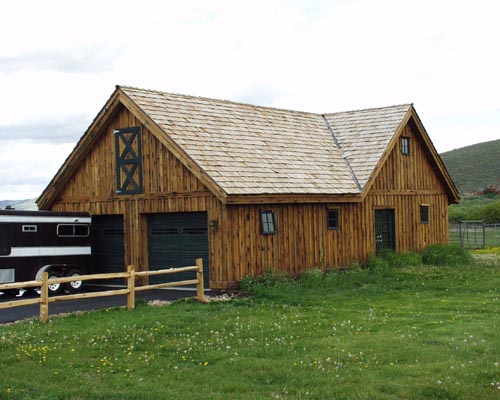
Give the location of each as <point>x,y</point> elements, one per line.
<point>24,312</point>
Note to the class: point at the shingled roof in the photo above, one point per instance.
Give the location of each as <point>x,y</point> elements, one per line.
<point>242,151</point>
<point>249,149</point>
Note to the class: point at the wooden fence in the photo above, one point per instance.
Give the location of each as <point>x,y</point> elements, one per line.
<point>130,276</point>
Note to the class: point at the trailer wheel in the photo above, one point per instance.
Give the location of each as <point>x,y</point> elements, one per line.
<point>73,286</point>
<point>54,288</point>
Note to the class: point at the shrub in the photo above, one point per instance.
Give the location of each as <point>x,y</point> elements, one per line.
<point>446,254</point>
<point>377,263</point>
<point>490,213</point>
<point>404,259</point>
<point>312,278</point>
<point>269,278</point>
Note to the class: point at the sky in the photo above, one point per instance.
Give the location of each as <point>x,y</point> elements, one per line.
<point>61,60</point>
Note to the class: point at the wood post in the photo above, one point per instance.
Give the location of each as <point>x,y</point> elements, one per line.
<point>200,290</point>
<point>44,298</point>
<point>130,276</point>
<point>131,287</point>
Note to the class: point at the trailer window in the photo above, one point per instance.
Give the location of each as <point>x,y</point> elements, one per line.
<point>29,228</point>
<point>68,230</point>
<point>5,240</point>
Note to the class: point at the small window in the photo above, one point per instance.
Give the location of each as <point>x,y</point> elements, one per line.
<point>69,230</point>
<point>333,219</point>
<point>29,228</point>
<point>81,230</point>
<point>405,145</point>
<point>268,220</point>
<point>424,214</point>
<point>5,240</point>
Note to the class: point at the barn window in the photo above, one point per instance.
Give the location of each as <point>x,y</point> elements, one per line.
<point>268,222</point>
<point>424,214</point>
<point>5,240</point>
<point>405,145</point>
<point>333,219</point>
<point>128,151</point>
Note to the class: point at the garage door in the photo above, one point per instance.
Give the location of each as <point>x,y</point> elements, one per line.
<point>107,245</point>
<point>177,240</point>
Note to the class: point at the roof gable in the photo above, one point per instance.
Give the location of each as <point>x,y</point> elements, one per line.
<point>364,136</point>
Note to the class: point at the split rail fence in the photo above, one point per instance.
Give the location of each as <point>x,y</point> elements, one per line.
<point>130,291</point>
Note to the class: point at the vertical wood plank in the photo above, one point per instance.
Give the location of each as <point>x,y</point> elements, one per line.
<point>131,287</point>
<point>44,298</point>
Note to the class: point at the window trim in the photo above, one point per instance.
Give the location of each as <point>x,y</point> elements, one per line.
<point>427,218</point>
<point>268,227</point>
<point>128,161</point>
<point>405,145</point>
<point>336,211</point>
<point>30,228</point>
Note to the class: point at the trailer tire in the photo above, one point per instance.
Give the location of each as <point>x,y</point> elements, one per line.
<point>73,286</point>
<point>54,288</point>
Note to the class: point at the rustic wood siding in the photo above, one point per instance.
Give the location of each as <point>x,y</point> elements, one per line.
<point>303,240</point>
<point>416,171</point>
<point>168,187</point>
<point>237,247</point>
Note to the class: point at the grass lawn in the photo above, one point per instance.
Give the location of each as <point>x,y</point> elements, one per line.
<point>414,333</point>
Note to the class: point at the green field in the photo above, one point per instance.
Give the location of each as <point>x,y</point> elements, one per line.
<point>414,333</point>
<point>474,168</point>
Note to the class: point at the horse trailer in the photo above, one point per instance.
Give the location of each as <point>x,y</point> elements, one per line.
<point>32,242</point>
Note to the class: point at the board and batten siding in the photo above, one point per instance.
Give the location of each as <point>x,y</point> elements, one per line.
<point>237,247</point>
<point>303,241</point>
<point>168,187</point>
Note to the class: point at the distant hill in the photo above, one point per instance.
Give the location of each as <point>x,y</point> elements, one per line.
<point>474,168</point>
<point>19,204</point>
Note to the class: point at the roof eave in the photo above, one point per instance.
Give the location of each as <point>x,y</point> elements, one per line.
<point>453,195</point>
<point>291,198</point>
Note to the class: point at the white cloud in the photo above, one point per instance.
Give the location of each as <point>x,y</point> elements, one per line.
<point>28,166</point>
<point>61,60</point>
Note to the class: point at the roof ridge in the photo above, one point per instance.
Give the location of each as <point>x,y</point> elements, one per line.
<point>370,109</point>
<point>239,103</point>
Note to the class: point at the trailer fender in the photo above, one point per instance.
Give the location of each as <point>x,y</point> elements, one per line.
<point>59,268</point>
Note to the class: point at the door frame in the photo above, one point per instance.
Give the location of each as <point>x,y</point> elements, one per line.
<point>391,240</point>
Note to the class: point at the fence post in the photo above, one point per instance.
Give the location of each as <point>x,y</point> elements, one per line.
<point>44,298</point>
<point>200,290</point>
<point>131,287</point>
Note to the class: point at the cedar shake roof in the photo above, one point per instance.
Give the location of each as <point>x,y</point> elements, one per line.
<point>245,153</point>
<point>249,149</point>
<point>364,135</point>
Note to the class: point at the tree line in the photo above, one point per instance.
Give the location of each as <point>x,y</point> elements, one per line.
<point>476,208</point>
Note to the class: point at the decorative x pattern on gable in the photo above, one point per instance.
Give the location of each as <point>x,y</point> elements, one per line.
<point>128,150</point>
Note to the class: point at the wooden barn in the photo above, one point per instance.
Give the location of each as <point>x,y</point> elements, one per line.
<point>169,178</point>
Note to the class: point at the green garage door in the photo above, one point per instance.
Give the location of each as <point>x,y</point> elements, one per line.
<point>108,246</point>
<point>177,240</point>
